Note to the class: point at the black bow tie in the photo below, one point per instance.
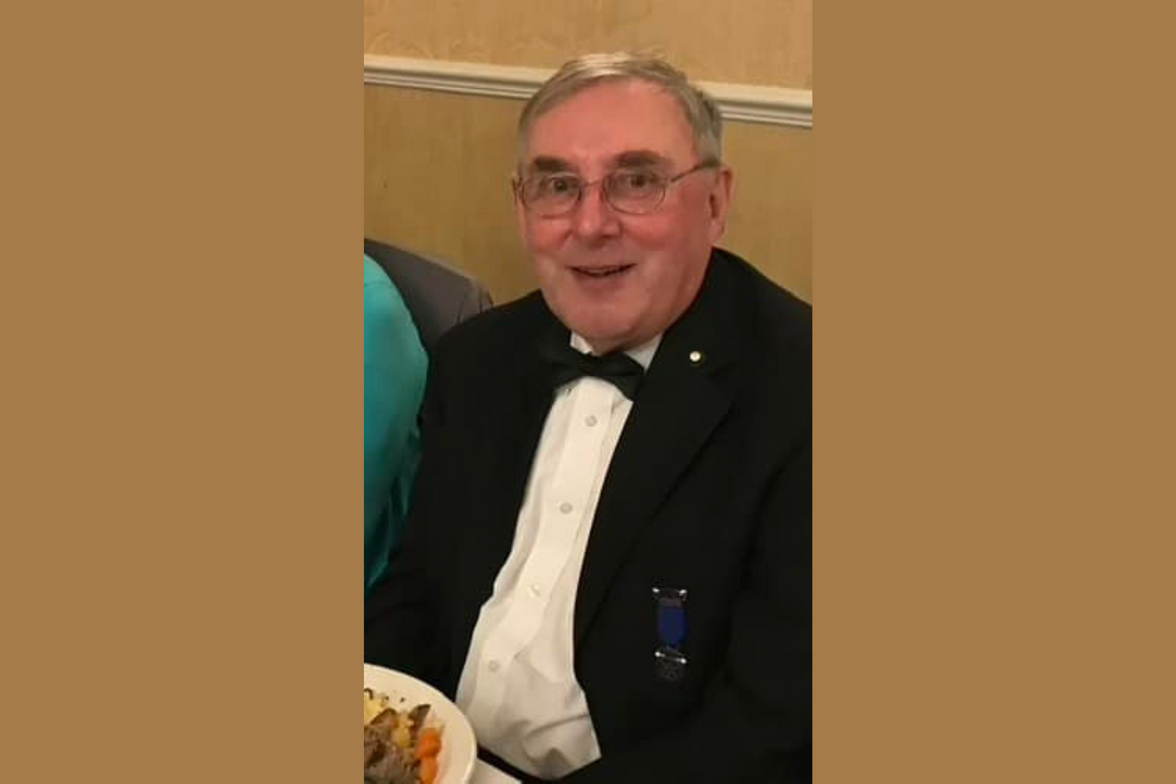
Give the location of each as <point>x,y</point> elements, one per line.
<point>618,368</point>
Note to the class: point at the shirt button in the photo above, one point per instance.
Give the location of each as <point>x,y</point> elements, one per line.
<point>493,666</point>
<point>565,507</point>
<point>590,420</point>
<point>536,590</point>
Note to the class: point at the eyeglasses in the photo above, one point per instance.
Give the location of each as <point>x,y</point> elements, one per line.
<point>635,191</point>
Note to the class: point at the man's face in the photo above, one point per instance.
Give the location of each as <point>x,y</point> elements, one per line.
<point>614,278</point>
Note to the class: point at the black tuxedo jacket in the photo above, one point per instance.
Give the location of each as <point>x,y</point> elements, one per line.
<point>710,489</point>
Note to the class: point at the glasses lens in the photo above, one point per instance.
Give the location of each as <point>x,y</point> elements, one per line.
<point>551,193</point>
<point>635,190</point>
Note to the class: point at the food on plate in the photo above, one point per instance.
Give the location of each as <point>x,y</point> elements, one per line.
<point>398,747</point>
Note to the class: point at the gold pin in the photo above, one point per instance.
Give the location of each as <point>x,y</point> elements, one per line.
<point>696,357</point>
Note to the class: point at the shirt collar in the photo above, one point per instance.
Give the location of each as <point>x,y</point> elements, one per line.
<point>643,354</point>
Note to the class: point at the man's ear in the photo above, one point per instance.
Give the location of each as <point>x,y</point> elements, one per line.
<point>719,202</point>
<point>520,210</point>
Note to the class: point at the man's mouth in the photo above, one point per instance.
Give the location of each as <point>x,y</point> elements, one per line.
<point>602,272</point>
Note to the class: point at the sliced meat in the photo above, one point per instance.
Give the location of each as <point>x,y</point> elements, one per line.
<point>386,721</point>
<point>393,767</point>
<point>418,716</point>
<point>375,745</point>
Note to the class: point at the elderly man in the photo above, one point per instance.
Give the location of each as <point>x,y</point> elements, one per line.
<point>609,563</point>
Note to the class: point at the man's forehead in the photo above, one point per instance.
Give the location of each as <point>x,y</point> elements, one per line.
<point>619,123</point>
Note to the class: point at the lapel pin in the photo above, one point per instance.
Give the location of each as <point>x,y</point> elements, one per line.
<point>696,357</point>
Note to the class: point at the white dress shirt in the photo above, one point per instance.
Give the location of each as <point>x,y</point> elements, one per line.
<point>518,687</point>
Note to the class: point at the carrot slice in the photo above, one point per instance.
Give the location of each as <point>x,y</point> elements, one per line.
<point>429,743</point>
<point>428,770</point>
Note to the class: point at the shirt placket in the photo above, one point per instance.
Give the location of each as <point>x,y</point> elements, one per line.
<point>560,521</point>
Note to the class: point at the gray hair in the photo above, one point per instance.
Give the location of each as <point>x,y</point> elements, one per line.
<point>701,111</point>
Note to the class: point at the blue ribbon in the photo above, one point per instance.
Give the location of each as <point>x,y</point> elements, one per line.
<point>671,617</point>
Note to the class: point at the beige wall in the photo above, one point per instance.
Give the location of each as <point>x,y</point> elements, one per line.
<point>765,42</point>
<point>437,165</point>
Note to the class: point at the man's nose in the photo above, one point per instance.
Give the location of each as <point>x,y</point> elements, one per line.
<point>593,217</point>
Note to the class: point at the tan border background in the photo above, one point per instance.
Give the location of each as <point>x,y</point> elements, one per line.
<point>181,409</point>
<point>993,397</point>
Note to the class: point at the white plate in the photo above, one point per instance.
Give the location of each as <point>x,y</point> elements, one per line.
<point>459,750</point>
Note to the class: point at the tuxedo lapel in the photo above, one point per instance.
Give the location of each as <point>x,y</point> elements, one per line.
<point>513,423</point>
<point>677,408</point>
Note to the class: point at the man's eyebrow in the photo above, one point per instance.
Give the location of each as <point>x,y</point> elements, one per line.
<point>545,163</point>
<point>636,158</point>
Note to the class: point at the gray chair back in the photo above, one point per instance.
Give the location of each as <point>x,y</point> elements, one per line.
<point>437,295</point>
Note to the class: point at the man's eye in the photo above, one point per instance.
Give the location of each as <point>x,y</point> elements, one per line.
<point>558,186</point>
<point>636,181</point>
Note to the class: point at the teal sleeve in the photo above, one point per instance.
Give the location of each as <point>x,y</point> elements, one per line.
<point>394,370</point>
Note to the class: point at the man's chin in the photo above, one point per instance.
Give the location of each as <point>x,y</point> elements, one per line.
<point>605,329</point>
<point>605,341</point>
